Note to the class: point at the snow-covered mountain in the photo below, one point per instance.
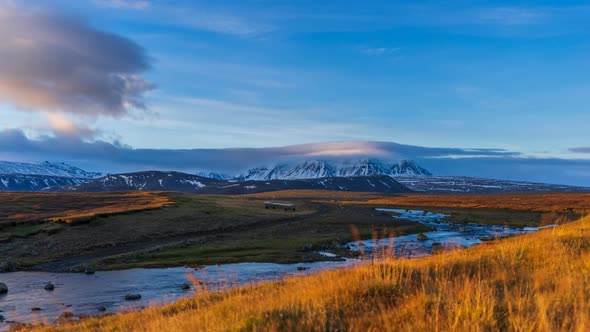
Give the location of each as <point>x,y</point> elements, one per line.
<point>213,175</point>
<point>408,167</point>
<point>24,182</point>
<point>315,169</point>
<point>16,176</point>
<point>47,169</point>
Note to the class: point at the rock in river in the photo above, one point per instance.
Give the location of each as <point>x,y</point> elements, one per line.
<point>49,287</point>
<point>3,288</point>
<point>132,297</point>
<point>422,237</point>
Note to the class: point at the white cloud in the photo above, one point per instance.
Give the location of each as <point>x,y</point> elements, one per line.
<point>220,22</point>
<point>509,16</point>
<point>124,4</point>
<point>380,50</point>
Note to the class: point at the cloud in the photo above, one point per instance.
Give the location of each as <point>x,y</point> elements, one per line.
<point>220,22</point>
<point>580,150</point>
<point>509,16</point>
<point>226,107</point>
<point>380,50</point>
<point>63,127</point>
<point>52,62</point>
<point>235,20</point>
<point>124,4</point>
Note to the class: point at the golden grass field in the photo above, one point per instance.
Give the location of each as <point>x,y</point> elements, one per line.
<point>535,282</point>
<point>528,202</point>
<point>23,208</point>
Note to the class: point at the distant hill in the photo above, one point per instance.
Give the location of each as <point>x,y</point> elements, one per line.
<point>176,181</point>
<point>464,184</point>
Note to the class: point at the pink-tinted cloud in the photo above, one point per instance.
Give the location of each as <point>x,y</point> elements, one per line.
<point>338,149</point>
<point>63,127</point>
<point>51,62</point>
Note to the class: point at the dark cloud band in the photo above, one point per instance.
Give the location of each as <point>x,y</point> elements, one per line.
<point>116,157</point>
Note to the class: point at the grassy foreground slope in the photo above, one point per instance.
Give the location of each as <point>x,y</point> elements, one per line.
<point>536,282</point>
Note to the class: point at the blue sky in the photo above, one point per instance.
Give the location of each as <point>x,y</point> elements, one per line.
<point>511,75</point>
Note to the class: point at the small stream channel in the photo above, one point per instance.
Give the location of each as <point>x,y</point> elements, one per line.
<point>84,294</point>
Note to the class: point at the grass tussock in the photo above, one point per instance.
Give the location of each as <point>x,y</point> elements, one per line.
<point>537,282</point>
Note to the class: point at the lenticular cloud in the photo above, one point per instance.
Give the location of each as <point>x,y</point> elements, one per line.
<point>56,63</point>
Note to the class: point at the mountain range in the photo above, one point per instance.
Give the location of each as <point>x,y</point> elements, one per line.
<point>315,169</point>
<point>368,175</point>
<point>177,181</point>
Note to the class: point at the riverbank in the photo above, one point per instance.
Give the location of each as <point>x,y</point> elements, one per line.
<point>189,230</point>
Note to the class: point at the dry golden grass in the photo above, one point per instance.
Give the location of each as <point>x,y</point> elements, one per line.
<point>536,282</point>
<point>22,208</point>
<point>528,202</point>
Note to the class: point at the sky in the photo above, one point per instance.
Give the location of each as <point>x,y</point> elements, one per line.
<point>481,88</point>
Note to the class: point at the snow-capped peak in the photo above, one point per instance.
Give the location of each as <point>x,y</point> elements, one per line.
<point>46,168</point>
<point>213,175</point>
<point>408,167</point>
<point>311,170</point>
<point>364,167</point>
